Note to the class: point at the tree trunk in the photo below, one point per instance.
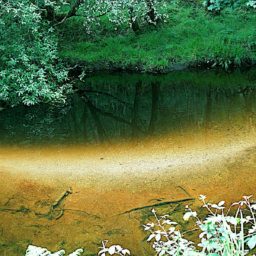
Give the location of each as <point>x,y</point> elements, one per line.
<point>151,13</point>
<point>154,107</point>
<point>51,15</point>
<point>133,21</point>
<point>135,114</point>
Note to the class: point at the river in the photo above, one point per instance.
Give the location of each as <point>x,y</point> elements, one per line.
<point>70,174</point>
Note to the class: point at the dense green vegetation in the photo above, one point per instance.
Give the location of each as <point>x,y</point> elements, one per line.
<point>30,72</point>
<point>147,35</point>
<point>190,36</point>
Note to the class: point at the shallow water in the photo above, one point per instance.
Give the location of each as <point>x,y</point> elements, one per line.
<point>123,141</point>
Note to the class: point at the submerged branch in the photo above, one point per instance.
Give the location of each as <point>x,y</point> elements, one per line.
<point>22,209</point>
<point>159,204</point>
<point>56,210</point>
<point>62,198</point>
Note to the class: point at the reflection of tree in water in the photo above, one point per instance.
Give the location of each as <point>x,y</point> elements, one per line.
<point>155,88</point>
<point>249,107</point>
<point>103,111</point>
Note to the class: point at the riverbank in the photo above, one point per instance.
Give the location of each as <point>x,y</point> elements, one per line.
<point>190,38</point>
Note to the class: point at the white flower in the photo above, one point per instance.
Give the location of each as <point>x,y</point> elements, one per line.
<point>187,215</point>
<point>202,197</point>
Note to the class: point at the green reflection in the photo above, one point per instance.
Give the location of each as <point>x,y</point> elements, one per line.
<point>114,107</point>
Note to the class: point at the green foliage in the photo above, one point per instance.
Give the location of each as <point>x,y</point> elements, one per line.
<point>121,13</point>
<point>190,36</point>
<point>216,6</point>
<point>221,233</point>
<point>213,5</point>
<point>30,71</point>
<point>97,33</point>
<point>251,4</point>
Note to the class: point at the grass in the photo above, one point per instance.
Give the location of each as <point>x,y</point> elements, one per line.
<point>190,36</point>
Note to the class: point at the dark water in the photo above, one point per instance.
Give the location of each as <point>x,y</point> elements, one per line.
<point>114,107</point>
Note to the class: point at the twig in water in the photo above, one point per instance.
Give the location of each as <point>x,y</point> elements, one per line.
<point>62,198</point>
<point>184,190</point>
<point>159,204</point>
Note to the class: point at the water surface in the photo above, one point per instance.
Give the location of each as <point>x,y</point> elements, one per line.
<point>117,107</point>
<point>123,141</point>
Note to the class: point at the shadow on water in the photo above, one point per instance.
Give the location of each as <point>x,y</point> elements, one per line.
<point>119,107</point>
<point>172,137</point>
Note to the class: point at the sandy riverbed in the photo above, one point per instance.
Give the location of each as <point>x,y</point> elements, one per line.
<point>107,181</point>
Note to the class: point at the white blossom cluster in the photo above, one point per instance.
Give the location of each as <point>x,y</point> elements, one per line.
<point>122,12</point>
<point>39,251</point>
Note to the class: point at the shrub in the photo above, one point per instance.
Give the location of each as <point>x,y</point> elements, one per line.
<point>221,233</point>
<point>251,4</point>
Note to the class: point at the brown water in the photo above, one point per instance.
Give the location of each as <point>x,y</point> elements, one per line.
<point>138,141</point>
